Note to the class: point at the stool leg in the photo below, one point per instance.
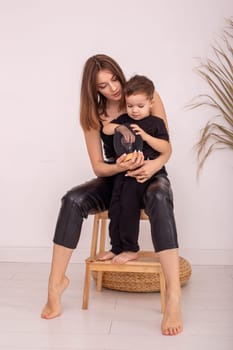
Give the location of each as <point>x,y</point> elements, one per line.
<point>99,281</point>
<point>162,291</point>
<point>86,286</point>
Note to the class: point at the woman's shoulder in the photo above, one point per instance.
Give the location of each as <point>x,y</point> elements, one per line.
<point>158,109</point>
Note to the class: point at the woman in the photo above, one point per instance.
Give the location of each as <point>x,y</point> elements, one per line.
<point>102,100</point>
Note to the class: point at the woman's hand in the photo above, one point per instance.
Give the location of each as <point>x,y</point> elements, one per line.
<point>146,171</point>
<point>135,162</point>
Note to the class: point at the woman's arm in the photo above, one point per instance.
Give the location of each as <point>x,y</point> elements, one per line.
<point>158,109</point>
<point>100,168</point>
<point>149,168</point>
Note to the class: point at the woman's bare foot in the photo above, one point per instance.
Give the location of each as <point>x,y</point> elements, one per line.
<point>53,307</point>
<point>123,257</point>
<point>172,319</point>
<point>106,256</point>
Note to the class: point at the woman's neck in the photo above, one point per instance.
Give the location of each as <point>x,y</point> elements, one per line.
<point>113,109</point>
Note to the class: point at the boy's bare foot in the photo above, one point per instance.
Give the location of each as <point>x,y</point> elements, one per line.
<point>172,319</point>
<point>53,307</point>
<point>123,257</point>
<point>106,256</point>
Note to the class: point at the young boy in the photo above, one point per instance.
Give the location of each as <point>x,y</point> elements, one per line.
<point>135,131</point>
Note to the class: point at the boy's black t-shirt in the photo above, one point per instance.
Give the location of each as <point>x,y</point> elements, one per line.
<point>152,125</point>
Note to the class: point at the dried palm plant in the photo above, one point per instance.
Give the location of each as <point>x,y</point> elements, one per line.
<point>218,132</point>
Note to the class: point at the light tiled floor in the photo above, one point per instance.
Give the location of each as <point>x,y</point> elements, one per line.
<point>114,320</point>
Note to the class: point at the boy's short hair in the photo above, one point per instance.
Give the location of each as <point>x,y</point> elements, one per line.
<point>139,84</point>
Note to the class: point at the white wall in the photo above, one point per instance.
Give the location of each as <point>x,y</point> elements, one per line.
<point>43,46</point>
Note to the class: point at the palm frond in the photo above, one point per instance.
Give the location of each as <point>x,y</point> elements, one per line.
<point>219,77</point>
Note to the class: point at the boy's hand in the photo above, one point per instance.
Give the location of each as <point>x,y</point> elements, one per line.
<point>128,135</point>
<point>139,131</point>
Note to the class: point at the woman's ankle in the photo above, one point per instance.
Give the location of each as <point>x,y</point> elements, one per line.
<point>56,283</point>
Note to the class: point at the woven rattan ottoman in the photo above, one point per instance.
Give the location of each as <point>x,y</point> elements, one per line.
<point>142,282</point>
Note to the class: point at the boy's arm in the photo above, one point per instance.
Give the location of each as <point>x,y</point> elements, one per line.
<point>158,144</point>
<point>109,129</point>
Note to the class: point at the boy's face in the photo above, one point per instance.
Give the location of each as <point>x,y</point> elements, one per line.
<point>138,106</point>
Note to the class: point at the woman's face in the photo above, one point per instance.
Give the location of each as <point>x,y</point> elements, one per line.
<point>108,85</point>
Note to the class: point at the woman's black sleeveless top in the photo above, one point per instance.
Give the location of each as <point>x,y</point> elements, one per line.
<point>109,152</point>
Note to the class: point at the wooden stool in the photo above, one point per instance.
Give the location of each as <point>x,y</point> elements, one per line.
<point>146,263</point>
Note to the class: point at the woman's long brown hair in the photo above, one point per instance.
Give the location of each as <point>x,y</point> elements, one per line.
<point>93,103</point>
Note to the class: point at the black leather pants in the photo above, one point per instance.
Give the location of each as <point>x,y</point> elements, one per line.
<point>95,195</point>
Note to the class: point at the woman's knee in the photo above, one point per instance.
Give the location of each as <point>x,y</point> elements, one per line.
<point>159,208</point>
<point>88,198</point>
<point>76,199</point>
<point>74,196</point>
<point>158,192</point>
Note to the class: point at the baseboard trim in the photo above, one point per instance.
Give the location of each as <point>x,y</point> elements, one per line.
<point>208,256</point>
<point>36,254</point>
<point>44,254</point>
